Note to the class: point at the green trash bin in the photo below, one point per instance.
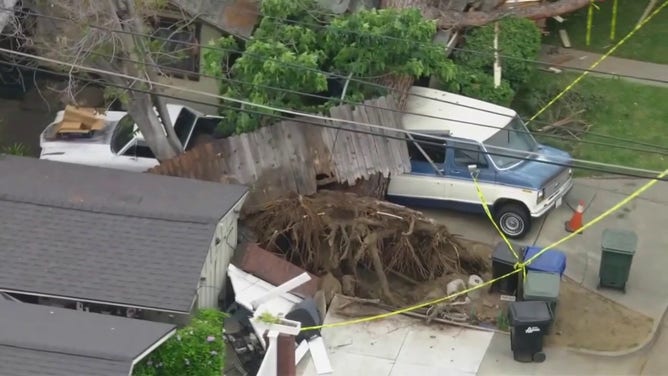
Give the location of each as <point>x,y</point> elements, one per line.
<point>617,250</point>
<point>544,287</point>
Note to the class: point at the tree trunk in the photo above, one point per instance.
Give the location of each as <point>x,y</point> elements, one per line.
<point>150,68</point>
<point>157,129</point>
<point>448,19</point>
<point>400,84</point>
<point>140,107</point>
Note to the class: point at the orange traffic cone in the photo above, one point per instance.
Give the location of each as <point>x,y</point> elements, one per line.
<point>576,220</point>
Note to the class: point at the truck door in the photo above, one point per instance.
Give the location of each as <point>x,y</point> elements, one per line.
<point>460,156</point>
<point>426,181</point>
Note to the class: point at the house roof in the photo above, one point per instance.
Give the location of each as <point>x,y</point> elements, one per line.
<point>237,17</point>
<point>108,236</point>
<point>35,339</point>
<point>440,105</point>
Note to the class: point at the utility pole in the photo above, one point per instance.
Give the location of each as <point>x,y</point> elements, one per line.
<point>497,63</point>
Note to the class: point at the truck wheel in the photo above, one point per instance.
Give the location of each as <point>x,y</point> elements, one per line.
<point>513,220</point>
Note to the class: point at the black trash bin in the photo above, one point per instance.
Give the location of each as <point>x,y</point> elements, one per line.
<point>529,321</point>
<point>503,262</point>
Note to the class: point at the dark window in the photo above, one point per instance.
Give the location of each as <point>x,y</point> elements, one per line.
<point>139,150</point>
<point>184,124</point>
<point>435,149</point>
<point>123,133</point>
<point>467,154</point>
<point>175,47</point>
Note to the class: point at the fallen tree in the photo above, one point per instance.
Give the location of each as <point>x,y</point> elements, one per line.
<point>447,19</point>
<point>335,232</point>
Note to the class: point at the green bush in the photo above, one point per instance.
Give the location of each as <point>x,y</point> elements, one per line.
<point>475,83</point>
<point>195,350</point>
<point>15,149</point>
<point>519,43</point>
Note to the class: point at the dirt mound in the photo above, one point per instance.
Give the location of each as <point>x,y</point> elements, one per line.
<point>335,232</point>
<point>587,320</point>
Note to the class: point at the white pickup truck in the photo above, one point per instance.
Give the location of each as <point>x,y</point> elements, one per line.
<point>116,142</point>
<point>517,183</point>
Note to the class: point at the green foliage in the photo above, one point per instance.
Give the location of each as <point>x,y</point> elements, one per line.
<point>519,41</point>
<point>112,93</point>
<point>476,83</point>
<point>375,42</point>
<point>195,350</point>
<point>502,322</point>
<point>292,52</point>
<point>268,318</point>
<point>16,148</point>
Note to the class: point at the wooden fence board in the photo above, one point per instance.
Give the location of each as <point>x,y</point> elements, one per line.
<point>287,156</point>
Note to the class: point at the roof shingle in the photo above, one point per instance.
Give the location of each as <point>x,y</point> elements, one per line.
<point>100,249</point>
<point>41,340</point>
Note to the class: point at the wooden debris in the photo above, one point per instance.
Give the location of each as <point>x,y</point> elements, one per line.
<point>565,40</point>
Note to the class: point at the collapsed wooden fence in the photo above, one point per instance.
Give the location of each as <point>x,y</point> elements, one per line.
<point>292,155</point>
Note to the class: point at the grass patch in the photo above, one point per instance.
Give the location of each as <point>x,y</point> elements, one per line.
<point>614,107</point>
<point>647,44</point>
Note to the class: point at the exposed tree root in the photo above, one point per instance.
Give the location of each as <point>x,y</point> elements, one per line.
<point>338,232</point>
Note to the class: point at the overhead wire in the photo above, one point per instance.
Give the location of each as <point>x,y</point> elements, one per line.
<point>513,153</point>
<point>330,74</point>
<point>655,149</point>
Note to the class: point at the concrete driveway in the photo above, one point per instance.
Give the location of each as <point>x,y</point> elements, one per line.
<point>645,291</point>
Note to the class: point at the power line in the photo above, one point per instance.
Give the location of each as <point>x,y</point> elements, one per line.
<point>656,148</point>
<point>329,74</point>
<point>371,133</point>
<point>626,141</point>
<point>367,125</point>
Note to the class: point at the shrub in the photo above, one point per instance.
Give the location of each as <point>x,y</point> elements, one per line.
<point>519,43</point>
<point>475,83</point>
<point>195,350</point>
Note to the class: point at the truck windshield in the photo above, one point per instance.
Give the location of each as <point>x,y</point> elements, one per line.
<point>513,136</point>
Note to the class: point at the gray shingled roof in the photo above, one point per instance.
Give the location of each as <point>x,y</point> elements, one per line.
<point>105,235</point>
<point>41,340</point>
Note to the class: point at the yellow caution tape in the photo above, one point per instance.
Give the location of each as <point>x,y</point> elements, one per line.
<point>585,73</point>
<point>408,309</point>
<point>519,267</point>
<point>594,221</point>
<point>485,207</point>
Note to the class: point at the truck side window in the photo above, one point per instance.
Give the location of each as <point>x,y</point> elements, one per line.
<point>434,151</point>
<point>139,149</point>
<point>467,154</point>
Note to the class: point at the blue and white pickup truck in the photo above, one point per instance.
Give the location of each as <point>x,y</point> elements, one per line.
<point>508,161</point>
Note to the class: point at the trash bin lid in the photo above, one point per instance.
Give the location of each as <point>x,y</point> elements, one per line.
<point>529,313</point>
<point>552,260</point>
<point>503,254</point>
<point>623,241</point>
<point>541,286</point>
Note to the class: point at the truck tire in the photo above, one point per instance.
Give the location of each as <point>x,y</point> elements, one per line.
<point>513,220</point>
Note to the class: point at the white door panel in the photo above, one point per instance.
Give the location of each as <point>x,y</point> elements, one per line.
<point>419,186</point>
